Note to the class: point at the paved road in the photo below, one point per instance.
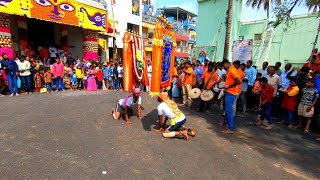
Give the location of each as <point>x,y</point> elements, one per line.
<point>71,135</point>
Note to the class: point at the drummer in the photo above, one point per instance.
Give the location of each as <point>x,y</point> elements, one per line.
<point>169,109</point>
<point>208,80</point>
<point>126,105</point>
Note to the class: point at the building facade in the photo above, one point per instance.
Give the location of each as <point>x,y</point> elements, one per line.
<point>74,26</point>
<point>185,24</point>
<point>290,44</point>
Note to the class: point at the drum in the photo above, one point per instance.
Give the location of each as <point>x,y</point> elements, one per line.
<point>194,93</point>
<point>207,95</point>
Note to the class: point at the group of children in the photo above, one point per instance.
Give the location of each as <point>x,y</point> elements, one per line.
<point>82,77</point>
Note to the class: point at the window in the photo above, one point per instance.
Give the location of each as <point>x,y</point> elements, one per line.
<point>257,37</point>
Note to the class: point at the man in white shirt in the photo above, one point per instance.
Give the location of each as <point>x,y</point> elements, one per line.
<point>264,70</point>
<point>120,76</point>
<point>126,105</point>
<point>149,69</point>
<point>53,54</point>
<point>25,74</point>
<point>274,80</point>
<point>168,109</point>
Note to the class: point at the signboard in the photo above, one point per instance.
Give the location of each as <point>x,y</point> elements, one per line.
<point>149,19</point>
<point>101,4</point>
<point>242,51</point>
<point>203,52</point>
<point>60,11</point>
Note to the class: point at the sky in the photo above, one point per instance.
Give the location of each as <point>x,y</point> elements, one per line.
<point>248,15</point>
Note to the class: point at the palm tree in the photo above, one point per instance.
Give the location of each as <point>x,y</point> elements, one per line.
<point>265,3</point>
<point>228,29</point>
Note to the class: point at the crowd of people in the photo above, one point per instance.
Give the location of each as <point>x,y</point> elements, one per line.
<point>290,96</point>
<point>28,75</point>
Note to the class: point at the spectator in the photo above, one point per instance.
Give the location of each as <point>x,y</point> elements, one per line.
<point>25,74</point>
<point>70,61</point>
<point>317,86</point>
<point>99,75</point>
<point>244,88</point>
<point>236,64</point>
<point>251,74</point>
<point>264,69</point>
<point>277,67</point>
<point>58,72</point>
<point>307,103</point>
<point>149,69</point>
<point>12,71</point>
<point>198,70</point>
<point>274,80</point>
<point>48,80</point>
<point>266,98</point>
<point>120,76</point>
<point>80,75</point>
<point>289,102</point>
<point>187,83</point>
<point>231,85</point>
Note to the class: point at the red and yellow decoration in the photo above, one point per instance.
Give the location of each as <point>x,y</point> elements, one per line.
<point>68,12</point>
<point>5,36</point>
<point>134,61</point>
<point>164,44</point>
<point>90,45</point>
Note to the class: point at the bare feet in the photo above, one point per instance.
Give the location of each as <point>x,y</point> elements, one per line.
<point>11,95</point>
<point>318,139</point>
<point>290,126</point>
<point>306,131</point>
<point>259,123</point>
<point>192,132</point>
<point>299,126</point>
<point>269,127</point>
<point>129,123</point>
<point>17,94</point>
<point>185,135</point>
<point>222,124</point>
<point>228,131</point>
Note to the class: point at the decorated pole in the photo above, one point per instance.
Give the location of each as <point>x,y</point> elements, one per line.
<point>127,62</point>
<point>163,58</point>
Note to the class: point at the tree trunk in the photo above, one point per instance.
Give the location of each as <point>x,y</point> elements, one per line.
<point>228,29</point>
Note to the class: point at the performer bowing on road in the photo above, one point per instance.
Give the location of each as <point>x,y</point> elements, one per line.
<point>169,109</point>
<point>126,105</point>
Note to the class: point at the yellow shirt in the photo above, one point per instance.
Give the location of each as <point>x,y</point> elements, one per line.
<point>79,73</point>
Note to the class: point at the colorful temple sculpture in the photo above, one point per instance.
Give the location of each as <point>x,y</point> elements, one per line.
<point>134,61</point>
<point>163,58</point>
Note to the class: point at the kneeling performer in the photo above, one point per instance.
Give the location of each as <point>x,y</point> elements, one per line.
<point>125,104</point>
<point>169,109</point>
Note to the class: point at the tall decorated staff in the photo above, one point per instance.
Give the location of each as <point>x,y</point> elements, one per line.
<point>164,44</point>
<point>134,61</point>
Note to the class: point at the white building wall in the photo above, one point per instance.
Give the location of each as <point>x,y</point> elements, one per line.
<point>75,41</point>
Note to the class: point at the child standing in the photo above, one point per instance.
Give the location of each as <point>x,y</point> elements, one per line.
<point>79,76</point>
<point>38,81</point>
<point>307,103</point>
<point>266,97</point>
<point>289,102</point>
<point>99,75</point>
<point>73,77</point>
<point>48,80</point>
<point>85,79</point>
<point>256,91</point>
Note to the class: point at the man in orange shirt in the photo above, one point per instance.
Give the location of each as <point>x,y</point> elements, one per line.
<point>187,83</point>
<point>236,64</point>
<point>207,80</point>
<point>231,92</point>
